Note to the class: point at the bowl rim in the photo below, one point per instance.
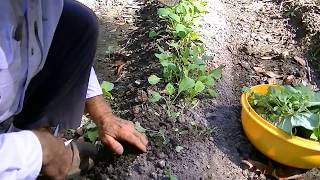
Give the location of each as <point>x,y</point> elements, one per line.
<point>295,140</point>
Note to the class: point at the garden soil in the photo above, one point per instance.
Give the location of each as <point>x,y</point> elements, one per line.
<point>257,41</point>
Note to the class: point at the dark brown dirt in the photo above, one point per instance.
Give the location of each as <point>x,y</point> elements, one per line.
<point>243,35</point>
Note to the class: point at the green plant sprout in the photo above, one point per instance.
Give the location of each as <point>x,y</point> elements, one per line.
<point>106,88</point>
<point>151,133</point>
<point>90,131</point>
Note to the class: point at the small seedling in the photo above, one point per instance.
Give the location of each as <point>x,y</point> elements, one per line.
<point>106,88</point>
<point>151,133</point>
<point>109,51</point>
<point>91,132</point>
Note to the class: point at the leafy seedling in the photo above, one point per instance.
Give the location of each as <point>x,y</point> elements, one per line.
<point>106,88</point>
<point>91,132</point>
<point>150,132</point>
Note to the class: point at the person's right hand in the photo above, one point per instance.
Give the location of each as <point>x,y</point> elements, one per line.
<point>56,158</point>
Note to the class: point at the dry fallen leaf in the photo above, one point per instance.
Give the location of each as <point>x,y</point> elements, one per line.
<point>301,61</point>
<point>259,69</point>
<point>272,74</point>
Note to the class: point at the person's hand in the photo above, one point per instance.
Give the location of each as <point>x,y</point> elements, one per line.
<point>56,158</point>
<point>113,129</point>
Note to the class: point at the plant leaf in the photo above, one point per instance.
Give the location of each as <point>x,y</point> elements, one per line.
<point>307,120</point>
<point>154,96</point>
<point>199,87</point>
<point>139,128</point>
<point>92,135</point>
<point>153,79</point>
<point>172,177</point>
<point>181,29</point>
<point>161,56</point>
<point>285,125</point>
<point>170,89</point>
<point>163,12</point>
<point>153,34</point>
<point>174,17</point>
<point>186,84</point>
<point>173,44</point>
<point>107,86</point>
<point>90,125</point>
<point>217,73</point>
<point>212,92</point>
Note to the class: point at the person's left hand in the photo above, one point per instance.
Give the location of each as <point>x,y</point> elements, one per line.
<point>113,129</point>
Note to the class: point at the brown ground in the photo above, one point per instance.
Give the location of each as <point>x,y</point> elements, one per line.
<point>256,40</point>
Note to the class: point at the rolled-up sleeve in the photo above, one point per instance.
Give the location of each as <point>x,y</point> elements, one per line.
<point>21,155</point>
<point>94,88</point>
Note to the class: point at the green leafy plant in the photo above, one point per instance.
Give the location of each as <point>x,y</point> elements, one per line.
<point>295,110</point>
<point>151,133</point>
<point>106,88</point>
<point>182,59</point>
<point>90,131</point>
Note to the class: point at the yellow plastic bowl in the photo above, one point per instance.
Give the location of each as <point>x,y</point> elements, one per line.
<point>275,143</point>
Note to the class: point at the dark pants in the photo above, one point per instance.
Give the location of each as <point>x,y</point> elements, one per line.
<point>56,95</point>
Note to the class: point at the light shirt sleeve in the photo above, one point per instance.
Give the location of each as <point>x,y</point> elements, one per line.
<point>20,155</point>
<point>94,88</point>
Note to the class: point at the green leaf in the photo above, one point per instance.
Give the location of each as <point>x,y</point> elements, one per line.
<point>154,96</point>
<point>186,84</point>
<point>217,73</point>
<point>170,89</point>
<point>194,36</point>
<point>181,29</point>
<point>212,92</point>
<point>163,12</point>
<point>174,17</point>
<point>173,44</point>
<point>107,86</point>
<point>199,87</point>
<point>153,34</point>
<point>153,79</point>
<point>172,177</point>
<point>207,80</point>
<point>92,135</point>
<point>316,134</point>
<point>90,125</point>
<point>307,120</point>
<point>161,49</point>
<point>245,89</point>
<point>179,148</point>
<point>139,128</point>
<point>285,125</point>
<point>161,56</point>
<point>107,94</point>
